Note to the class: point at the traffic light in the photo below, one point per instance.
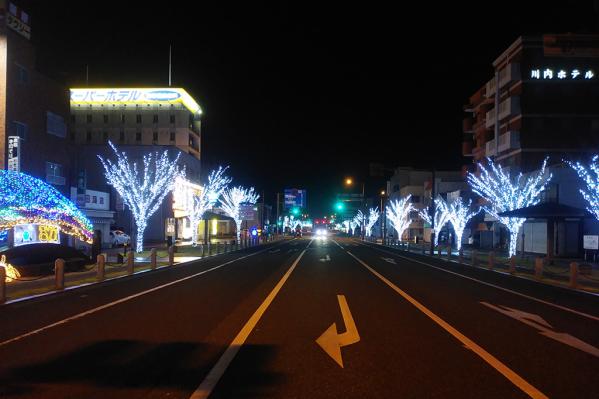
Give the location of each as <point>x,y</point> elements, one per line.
<point>295,211</point>
<point>339,206</point>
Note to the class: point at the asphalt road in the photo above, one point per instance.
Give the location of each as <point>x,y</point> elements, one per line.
<point>259,323</point>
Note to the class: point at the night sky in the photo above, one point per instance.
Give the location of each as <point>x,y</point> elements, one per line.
<point>301,94</point>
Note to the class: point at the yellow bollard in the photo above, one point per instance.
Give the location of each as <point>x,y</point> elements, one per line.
<point>153,259</point>
<point>2,285</point>
<point>491,260</point>
<point>538,268</point>
<point>513,264</point>
<point>171,255</point>
<point>574,275</point>
<point>101,261</point>
<point>59,274</point>
<point>130,262</point>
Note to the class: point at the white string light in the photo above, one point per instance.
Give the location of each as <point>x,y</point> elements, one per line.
<point>233,198</point>
<point>440,217</point>
<point>590,176</point>
<point>398,213</point>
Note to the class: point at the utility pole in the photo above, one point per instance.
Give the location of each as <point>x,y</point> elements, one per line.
<point>278,210</point>
<point>170,66</point>
<point>433,210</point>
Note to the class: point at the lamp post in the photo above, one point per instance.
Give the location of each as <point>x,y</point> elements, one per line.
<point>384,217</point>
<point>349,182</point>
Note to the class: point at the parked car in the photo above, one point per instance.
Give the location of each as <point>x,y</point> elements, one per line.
<point>118,237</point>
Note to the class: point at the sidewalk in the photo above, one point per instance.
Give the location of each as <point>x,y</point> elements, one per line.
<point>28,287</point>
<point>555,272</point>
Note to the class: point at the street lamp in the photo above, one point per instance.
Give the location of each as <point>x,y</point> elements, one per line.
<point>384,216</point>
<point>349,182</point>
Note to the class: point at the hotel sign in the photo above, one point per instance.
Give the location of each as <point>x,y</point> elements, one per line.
<point>561,74</point>
<point>134,96</point>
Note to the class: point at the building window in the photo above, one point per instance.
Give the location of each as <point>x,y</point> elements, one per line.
<point>172,118</point>
<point>22,74</point>
<point>55,174</point>
<point>94,199</point>
<point>88,136</point>
<point>122,135</point>
<point>155,118</point>
<point>172,136</point>
<point>88,118</point>
<point>137,136</point>
<point>122,118</point>
<point>20,129</point>
<point>105,118</point>
<point>138,118</point>
<point>55,125</point>
<point>155,136</point>
<point>101,200</point>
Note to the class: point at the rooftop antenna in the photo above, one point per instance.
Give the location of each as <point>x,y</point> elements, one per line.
<point>170,67</point>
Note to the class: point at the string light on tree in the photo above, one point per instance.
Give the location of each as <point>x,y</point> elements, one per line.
<point>359,219</point>
<point>373,216</point>
<point>440,217</point>
<point>458,213</point>
<point>233,198</point>
<point>398,213</point>
<point>590,176</point>
<point>142,192</point>
<point>25,199</point>
<point>503,194</point>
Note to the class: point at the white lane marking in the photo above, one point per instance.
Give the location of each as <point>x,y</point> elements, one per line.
<point>339,245</point>
<point>555,305</point>
<point>544,328</point>
<point>508,373</point>
<point>210,381</point>
<point>389,260</point>
<point>119,301</point>
<point>325,259</point>
<point>274,251</point>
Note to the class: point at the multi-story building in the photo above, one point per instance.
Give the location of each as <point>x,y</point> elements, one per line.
<point>33,108</point>
<point>542,101</point>
<point>138,121</point>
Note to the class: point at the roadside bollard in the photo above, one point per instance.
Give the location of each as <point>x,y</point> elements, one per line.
<point>448,253</point>
<point>538,268</point>
<point>513,264</point>
<point>101,261</point>
<point>209,248</point>
<point>202,250</point>
<point>130,262</point>
<point>491,260</point>
<point>171,255</point>
<point>408,246</point>
<point>59,274</point>
<point>461,255</point>
<point>573,275</point>
<point>153,258</point>
<point>473,257</point>
<point>2,285</point>
<point>440,251</point>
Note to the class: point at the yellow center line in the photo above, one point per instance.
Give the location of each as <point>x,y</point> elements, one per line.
<point>210,381</point>
<point>514,378</point>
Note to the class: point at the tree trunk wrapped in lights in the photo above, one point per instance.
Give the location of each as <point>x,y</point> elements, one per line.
<point>459,214</point>
<point>590,176</point>
<point>373,216</point>
<point>440,217</point>
<point>144,192</point>
<point>233,198</point>
<point>398,213</point>
<point>503,194</point>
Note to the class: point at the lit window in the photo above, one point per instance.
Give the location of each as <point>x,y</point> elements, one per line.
<point>54,174</point>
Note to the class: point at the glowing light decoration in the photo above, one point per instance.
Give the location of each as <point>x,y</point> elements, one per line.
<point>398,213</point>
<point>199,202</point>
<point>359,218</point>
<point>590,176</point>
<point>373,216</point>
<point>345,225</point>
<point>233,198</point>
<point>27,200</point>
<point>142,192</point>
<point>503,194</point>
<point>440,217</point>
<point>458,213</point>
<point>11,272</point>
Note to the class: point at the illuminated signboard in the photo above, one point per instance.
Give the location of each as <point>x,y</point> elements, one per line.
<point>14,153</point>
<point>25,234</point>
<point>133,96</point>
<point>294,198</point>
<point>561,74</point>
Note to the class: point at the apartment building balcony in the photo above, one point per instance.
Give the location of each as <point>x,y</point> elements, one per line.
<point>490,148</point>
<point>467,148</point>
<point>509,141</point>
<point>467,125</point>
<point>510,107</point>
<point>508,74</point>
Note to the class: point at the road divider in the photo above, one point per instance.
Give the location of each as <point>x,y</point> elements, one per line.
<point>508,373</point>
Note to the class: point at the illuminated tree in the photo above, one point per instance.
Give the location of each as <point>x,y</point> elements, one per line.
<point>459,214</point>
<point>346,225</point>
<point>233,198</point>
<point>440,217</point>
<point>198,203</point>
<point>502,194</point>
<point>360,220</point>
<point>142,192</point>
<point>590,176</point>
<point>373,216</point>
<point>398,213</point>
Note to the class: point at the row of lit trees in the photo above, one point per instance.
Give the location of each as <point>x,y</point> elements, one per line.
<point>500,194</point>
<point>144,191</point>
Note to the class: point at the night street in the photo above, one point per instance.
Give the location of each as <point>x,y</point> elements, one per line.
<point>419,331</point>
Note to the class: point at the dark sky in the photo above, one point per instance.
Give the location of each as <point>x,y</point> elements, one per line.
<point>301,94</point>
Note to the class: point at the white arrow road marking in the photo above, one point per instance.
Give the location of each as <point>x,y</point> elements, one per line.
<point>331,342</point>
<point>389,260</point>
<point>545,329</point>
<point>325,259</point>
<point>274,251</point>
